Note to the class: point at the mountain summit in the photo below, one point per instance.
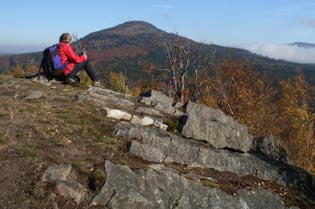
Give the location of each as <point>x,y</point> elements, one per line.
<point>132,28</point>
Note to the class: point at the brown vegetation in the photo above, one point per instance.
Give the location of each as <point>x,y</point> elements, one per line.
<point>265,106</point>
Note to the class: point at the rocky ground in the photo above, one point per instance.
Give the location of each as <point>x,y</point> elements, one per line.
<point>60,147</point>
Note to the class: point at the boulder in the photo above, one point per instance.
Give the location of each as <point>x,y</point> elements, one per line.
<point>269,147</point>
<point>221,131</point>
<point>160,102</point>
<point>152,98</point>
<point>204,112</point>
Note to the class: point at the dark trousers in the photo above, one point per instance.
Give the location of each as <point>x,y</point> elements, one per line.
<point>87,67</point>
<point>59,75</point>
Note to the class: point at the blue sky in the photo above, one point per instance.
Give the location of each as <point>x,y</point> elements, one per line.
<point>33,24</point>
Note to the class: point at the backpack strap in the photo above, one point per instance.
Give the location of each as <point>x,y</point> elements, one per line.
<point>55,51</point>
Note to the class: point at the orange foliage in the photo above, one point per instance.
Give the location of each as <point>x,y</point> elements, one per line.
<point>246,95</point>
<point>16,71</point>
<point>118,82</point>
<point>239,92</point>
<point>297,122</point>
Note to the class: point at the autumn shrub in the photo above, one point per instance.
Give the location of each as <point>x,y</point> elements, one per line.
<point>266,107</point>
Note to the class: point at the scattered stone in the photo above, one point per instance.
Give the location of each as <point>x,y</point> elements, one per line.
<point>34,95</point>
<point>58,172</point>
<point>118,114</point>
<point>144,121</point>
<point>42,80</point>
<point>70,189</point>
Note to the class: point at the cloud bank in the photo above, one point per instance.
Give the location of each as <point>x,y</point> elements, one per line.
<point>286,52</point>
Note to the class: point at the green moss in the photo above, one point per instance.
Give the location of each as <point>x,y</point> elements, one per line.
<point>82,167</point>
<point>92,159</point>
<point>28,151</point>
<point>173,124</point>
<point>3,139</point>
<point>113,145</point>
<point>102,139</point>
<point>99,174</point>
<point>78,164</point>
<point>209,183</point>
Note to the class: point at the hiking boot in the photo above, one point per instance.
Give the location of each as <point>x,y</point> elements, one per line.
<point>72,81</point>
<point>97,83</point>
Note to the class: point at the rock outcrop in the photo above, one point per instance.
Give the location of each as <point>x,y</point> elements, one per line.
<point>205,139</point>
<point>163,187</point>
<point>161,147</point>
<point>66,147</point>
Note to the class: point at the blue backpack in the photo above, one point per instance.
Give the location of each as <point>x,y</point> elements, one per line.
<point>51,63</point>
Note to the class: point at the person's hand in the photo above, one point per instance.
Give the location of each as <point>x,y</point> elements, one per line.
<point>84,54</point>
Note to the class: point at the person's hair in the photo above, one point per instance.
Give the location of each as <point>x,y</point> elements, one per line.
<point>64,37</point>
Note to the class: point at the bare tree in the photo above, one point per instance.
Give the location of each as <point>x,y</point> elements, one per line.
<point>78,46</point>
<point>178,58</point>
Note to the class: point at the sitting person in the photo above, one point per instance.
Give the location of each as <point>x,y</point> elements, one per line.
<point>74,63</point>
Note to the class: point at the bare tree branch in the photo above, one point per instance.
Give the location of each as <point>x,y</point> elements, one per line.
<point>178,60</point>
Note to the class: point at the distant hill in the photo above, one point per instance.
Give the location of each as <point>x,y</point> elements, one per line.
<point>133,46</point>
<point>303,44</point>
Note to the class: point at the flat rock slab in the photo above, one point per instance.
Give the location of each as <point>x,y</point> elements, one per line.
<point>160,187</point>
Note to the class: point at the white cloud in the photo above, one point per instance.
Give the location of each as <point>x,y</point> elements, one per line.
<point>164,6</point>
<point>286,52</point>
